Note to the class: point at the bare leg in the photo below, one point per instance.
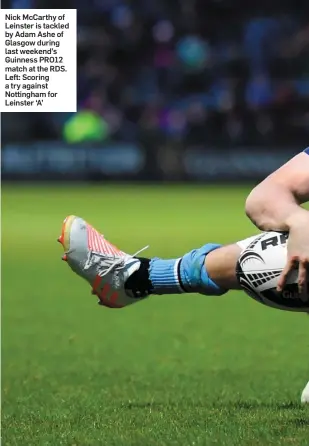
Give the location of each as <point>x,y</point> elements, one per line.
<point>220,265</point>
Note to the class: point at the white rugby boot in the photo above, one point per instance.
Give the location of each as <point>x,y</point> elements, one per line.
<point>96,260</point>
<point>305,394</point>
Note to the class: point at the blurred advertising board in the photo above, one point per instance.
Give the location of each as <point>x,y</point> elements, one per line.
<point>122,161</point>
<point>56,161</point>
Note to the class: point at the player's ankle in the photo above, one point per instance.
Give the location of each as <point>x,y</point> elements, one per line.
<point>155,276</point>
<point>139,284</point>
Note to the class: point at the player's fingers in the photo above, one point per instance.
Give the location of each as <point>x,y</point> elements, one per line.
<point>302,279</point>
<point>284,275</point>
<point>283,278</point>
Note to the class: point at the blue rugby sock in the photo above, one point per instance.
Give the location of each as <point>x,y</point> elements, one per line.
<point>164,276</point>
<point>184,275</point>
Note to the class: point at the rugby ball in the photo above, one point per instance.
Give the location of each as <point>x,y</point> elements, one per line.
<point>259,268</point>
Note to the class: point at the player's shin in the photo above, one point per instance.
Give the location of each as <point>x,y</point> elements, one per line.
<point>209,270</point>
<point>220,265</point>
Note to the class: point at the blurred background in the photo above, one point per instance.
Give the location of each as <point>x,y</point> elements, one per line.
<point>198,90</point>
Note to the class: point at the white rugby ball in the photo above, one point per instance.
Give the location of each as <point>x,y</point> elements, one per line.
<point>259,268</point>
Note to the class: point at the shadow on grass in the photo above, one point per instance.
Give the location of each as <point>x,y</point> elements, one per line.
<point>298,422</point>
<point>228,406</point>
<point>253,405</point>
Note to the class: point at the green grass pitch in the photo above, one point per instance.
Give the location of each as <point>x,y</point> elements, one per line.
<point>173,370</point>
